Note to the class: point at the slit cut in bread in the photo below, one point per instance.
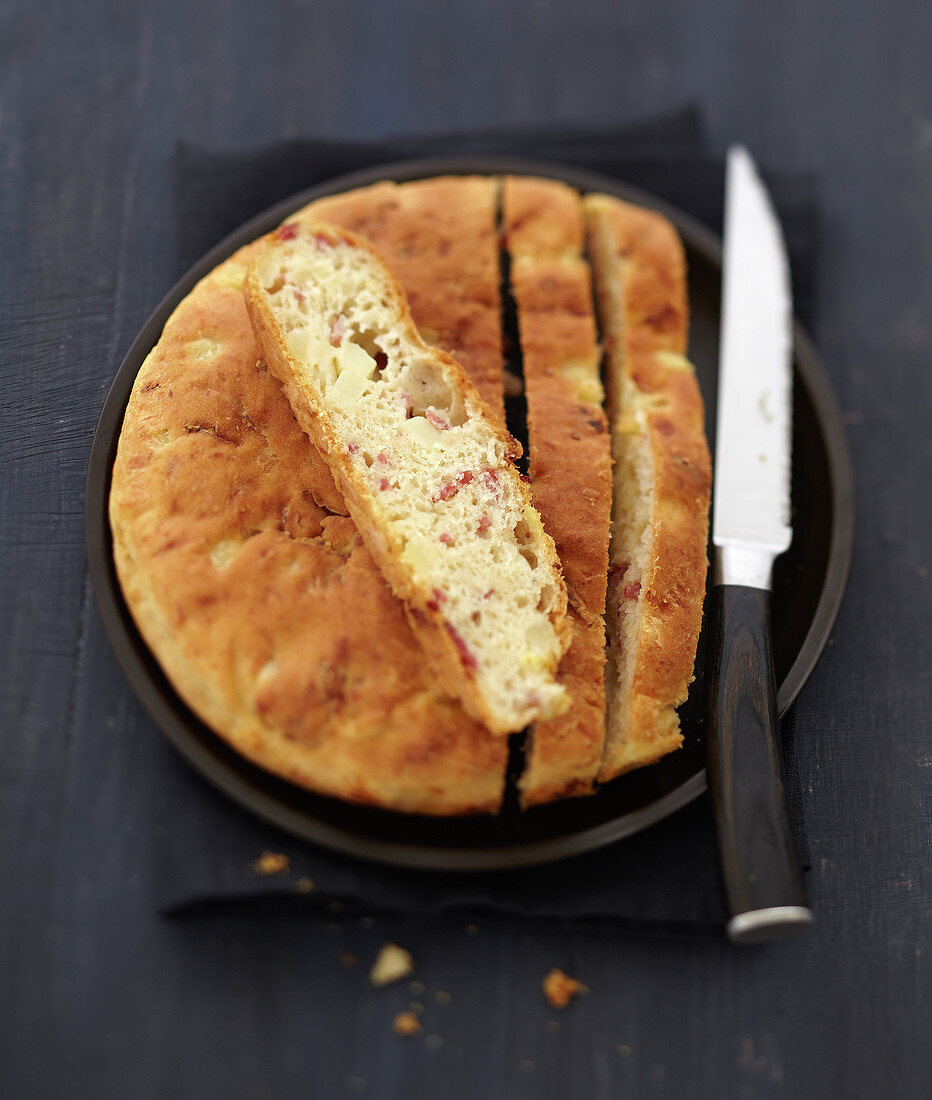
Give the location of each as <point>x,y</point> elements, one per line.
<point>424,468</point>
<point>662,481</point>
<point>570,462</point>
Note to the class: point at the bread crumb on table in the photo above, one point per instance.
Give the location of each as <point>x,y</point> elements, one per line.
<point>393,962</point>
<point>560,988</point>
<point>304,886</point>
<point>272,863</point>
<point>407,1024</point>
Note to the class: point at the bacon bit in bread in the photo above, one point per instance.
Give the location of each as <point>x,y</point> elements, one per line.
<point>272,863</point>
<point>466,657</point>
<point>451,488</point>
<point>560,988</point>
<point>406,400</point>
<point>383,458</point>
<point>438,422</point>
<point>617,571</point>
<point>288,231</point>
<point>484,523</point>
<point>439,597</point>
<point>446,539</point>
<point>352,448</point>
<point>407,1024</point>
<point>337,332</point>
<point>392,963</point>
<point>491,478</point>
<point>299,295</point>
<point>632,591</point>
<point>384,484</point>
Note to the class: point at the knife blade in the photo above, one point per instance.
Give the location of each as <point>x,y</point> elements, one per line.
<point>751,527</point>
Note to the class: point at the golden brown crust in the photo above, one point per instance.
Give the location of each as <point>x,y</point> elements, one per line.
<point>263,608</point>
<point>570,462</point>
<point>654,396</point>
<point>652,267</point>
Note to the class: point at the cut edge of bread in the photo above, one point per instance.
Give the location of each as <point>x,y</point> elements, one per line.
<point>424,468</point>
<point>662,482</point>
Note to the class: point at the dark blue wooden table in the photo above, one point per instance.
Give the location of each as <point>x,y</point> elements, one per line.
<point>101,997</point>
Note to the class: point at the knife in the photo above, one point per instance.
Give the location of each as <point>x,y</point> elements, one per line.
<point>751,527</point>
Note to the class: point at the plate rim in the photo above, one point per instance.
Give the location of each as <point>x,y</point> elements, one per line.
<point>238,783</point>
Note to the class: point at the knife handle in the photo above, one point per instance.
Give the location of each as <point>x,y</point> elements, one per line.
<point>763,881</point>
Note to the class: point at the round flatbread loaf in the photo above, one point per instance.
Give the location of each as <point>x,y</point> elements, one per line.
<point>256,595</point>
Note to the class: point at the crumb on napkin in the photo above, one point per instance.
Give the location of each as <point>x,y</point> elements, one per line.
<point>272,863</point>
<point>393,962</point>
<point>560,988</point>
<point>406,1023</point>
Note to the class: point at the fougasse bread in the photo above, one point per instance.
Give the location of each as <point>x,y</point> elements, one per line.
<point>570,462</point>
<point>423,466</point>
<point>255,591</point>
<point>256,596</point>
<point>662,480</point>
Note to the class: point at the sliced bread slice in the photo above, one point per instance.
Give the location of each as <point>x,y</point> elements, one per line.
<point>570,462</point>
<point>662,481</point>
<point>424,467</point>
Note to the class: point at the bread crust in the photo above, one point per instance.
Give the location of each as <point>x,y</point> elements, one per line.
<point>260,603</point>
<point>442,645</point>
<point>570,462</point>
<point>657,415</point>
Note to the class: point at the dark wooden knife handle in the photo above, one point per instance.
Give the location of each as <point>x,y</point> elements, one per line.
<point>763,880</point>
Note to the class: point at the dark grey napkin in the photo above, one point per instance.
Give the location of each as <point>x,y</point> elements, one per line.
<point>666,878</point>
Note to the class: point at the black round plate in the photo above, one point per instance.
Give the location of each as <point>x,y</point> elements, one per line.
<point>808,586</point>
